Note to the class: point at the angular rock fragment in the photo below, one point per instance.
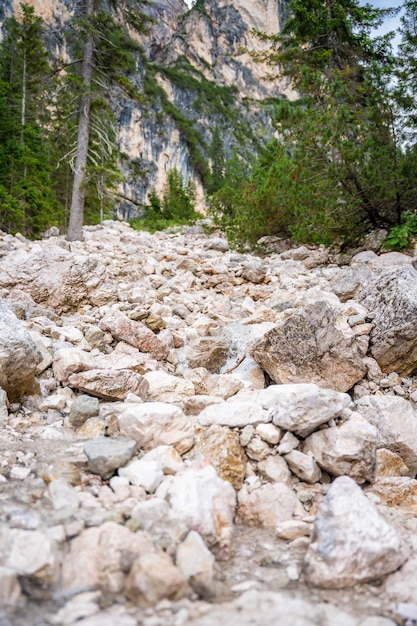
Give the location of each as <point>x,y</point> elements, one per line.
<point>82,409</point>
<point>313,345</point>
<point>351,541</point>
<point>110,384</point>
<point>106,454</point>
<point>349,449</point>
<point>267,506</point>
<point>205,502</point>
<point>154,577</point>
<point>396,423</point>
<point>233,414</point>
<point>392,299</point>
<point>208,352</point>
<point>222,448</point>
<point>164,387</point>
<point>19,356</point>
<point>196,563</point>
<point>303,466</point>
<point>153,424</point>
<point>134,333</point>
<point>302,408</point>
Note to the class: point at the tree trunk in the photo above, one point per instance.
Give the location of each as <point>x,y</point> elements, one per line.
<point>75,228</point>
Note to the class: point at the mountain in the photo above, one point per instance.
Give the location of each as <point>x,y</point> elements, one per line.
<point>195,74</point>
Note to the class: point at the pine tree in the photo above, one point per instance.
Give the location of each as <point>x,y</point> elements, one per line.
<point>217,160</point>
<point>27,201</point>
<point>106,53</point>
<point>339,137</point>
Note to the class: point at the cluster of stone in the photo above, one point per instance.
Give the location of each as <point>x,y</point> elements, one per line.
<point>161,396</point>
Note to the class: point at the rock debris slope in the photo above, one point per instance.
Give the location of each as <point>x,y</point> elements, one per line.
<point>191,435</point>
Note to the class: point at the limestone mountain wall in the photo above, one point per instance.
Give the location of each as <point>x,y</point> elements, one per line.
<point>195,73</point>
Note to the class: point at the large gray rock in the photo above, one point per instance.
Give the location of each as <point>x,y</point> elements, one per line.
<point>396,423</point>
<point>82,409</point>
<point>313,345</point>
<point>19,356</point>
<point>106,454</point>
<point>351,542</point>
<point>392,299</point>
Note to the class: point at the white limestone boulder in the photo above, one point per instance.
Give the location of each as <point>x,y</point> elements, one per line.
<point>152,424</point>
<point>302,408</point>
<point>351,543</point>
<point>110,384</point>
<point>267,505</point>
<point>392,299</point>
<point>205,502</point>
<point>395,420</point>
<point>348,449</point>
<point>234,414</point>
<point>164,387</point>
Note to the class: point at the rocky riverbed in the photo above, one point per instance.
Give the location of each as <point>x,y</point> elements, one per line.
<point>189,435</point>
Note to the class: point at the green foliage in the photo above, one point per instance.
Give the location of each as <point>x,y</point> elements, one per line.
<point>216,154</point>
<point>341,169</point>
<point>175,208</point>
<point>402,236</point>
<point>27,201</point>
<point>275,199</point>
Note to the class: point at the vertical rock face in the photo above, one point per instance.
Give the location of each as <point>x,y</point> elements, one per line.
<point>199,66</point>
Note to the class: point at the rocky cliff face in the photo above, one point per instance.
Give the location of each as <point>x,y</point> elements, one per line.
<point>196,73</point>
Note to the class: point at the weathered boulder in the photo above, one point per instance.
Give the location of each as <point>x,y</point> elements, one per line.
<point>134,333</point>
<point>205,502</point>
<point>348,449</point>
<point>208,352</point>
<point>19,356</point>
<point>268,505</point>
<point>303,466</point>
<point>33,555</point>
<point>154,577</point>
<point>101,556</point>
<point>396,423</point>
<point>67,361</point>
<point>302,408</point>
<point>106,454</point>
<point>222,448</point>
<point>233,414</point>
<point>157,423</point>
<point>82,409</point>
<point>110,384</point>
<point>392,299</point>
<point>195,562</point>
<point>351,541</point>
<point>313,345</point>
<point>59,279</point>
<point>167,388</point>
